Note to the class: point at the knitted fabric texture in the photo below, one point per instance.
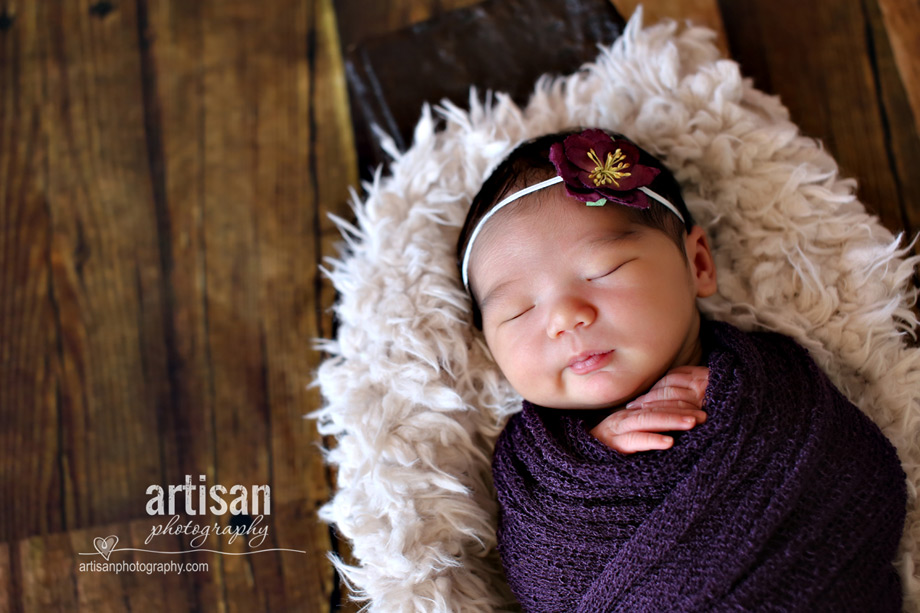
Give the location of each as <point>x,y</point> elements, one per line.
<point>788,498</point>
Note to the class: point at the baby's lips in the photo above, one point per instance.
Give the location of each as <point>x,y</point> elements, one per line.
<point>590,361</point>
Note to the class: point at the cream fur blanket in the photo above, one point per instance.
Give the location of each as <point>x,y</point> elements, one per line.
<point>411,394</point>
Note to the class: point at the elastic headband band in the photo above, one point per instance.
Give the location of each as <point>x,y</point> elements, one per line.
<point>529,190</point>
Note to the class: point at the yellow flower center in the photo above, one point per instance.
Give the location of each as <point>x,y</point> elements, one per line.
<point>611,170</point>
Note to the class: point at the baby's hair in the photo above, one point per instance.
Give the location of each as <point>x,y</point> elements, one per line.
<point>529,163</point>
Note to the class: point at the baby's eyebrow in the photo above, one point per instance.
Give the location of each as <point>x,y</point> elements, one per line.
<point>610,238</point>
<point>495,292</point>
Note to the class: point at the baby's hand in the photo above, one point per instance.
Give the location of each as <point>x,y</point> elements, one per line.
<point>672,404</point>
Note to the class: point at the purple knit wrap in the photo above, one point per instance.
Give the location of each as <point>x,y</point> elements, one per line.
<point>788,498</point>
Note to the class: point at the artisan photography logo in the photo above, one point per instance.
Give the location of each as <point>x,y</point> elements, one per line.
<point>247,508</point>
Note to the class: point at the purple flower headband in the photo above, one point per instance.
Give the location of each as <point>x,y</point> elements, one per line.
<point>595,168</point>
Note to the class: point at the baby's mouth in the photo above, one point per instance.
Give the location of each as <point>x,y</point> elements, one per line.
<point>589,361</point>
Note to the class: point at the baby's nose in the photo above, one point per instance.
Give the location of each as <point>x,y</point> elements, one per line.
<point>568,314</point>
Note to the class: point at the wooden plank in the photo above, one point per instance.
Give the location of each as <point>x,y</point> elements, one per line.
<point>359,19</point>
<point>48,579</point>
<point>172,62</point>
<point>28,336</point>
<point>334,168</point>
<point>269,156</point>
<point>816,57</point>
<point>895,83</point>
<point>334,162</point>
<point>902,23</point>
<point>64,572</point>
<point>166,217</point>
<point>82,422</point>
<point>697,12</point>
<point>9,585</point>
<point>56,577</point>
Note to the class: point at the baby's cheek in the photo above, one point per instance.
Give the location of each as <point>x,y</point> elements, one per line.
<point>523,364</point>
<point>525,380</point>
<point>519,379</point>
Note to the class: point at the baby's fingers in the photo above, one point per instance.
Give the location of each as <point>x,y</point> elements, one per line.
<point>677,395</point>
<point>691,377</point>
<point>682,407</point>
<point>636,441</point>
<point>634,430</point>
<point>685,384</point>
<point>644,420</point>
<point>696,371</point>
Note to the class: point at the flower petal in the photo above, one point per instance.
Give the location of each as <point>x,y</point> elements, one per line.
<point>640,176</point>
<point>594,165</point>
<point>633,198</point>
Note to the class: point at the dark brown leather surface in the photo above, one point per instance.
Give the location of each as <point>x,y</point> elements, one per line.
<point>499,45</point>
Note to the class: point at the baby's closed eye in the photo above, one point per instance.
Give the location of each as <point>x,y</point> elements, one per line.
<point>609,270</point>
<point>516,313</point>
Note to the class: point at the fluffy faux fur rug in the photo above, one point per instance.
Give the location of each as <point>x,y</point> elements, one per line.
<point>415,402</point>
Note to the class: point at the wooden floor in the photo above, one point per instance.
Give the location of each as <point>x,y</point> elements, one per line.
<point>166,171</point>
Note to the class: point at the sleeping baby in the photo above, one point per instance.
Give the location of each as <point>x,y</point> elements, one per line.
<point>661,461</point>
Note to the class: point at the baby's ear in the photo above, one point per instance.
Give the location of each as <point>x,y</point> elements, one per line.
<point>702,266</point>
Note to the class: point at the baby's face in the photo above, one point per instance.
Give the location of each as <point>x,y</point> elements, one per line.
<point>583,308</point>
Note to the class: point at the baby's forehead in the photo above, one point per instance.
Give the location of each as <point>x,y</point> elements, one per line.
<point>540,219</point>
<point>520,223</point>
<point>552,211</point>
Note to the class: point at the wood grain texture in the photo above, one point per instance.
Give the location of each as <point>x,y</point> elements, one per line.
<point>899,90</point>
<point>697,12</point>
<point>359,19</point>
<point>165,170</point>
<point>53,582</point>
<point>831,65</point>
<point>901,22</point>
<point>82,425</point>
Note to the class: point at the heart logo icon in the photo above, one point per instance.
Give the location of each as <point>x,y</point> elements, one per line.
<point>106,545</point>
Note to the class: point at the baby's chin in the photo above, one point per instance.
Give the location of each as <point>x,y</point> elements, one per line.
<point>586,402</point>
<point>603,390</point>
